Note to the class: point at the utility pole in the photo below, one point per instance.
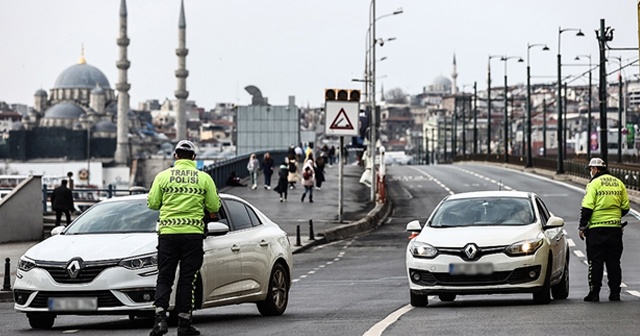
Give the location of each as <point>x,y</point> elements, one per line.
<point>604,35</point>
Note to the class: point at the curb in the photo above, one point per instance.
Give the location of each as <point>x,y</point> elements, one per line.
<point>373,219</point>
<point>6,296</point>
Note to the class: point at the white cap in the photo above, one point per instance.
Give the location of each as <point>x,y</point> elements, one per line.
<point>186,146</point>
<point>597,162</point>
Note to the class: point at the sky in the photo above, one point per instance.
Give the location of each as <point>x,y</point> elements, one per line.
<point>301,47</point>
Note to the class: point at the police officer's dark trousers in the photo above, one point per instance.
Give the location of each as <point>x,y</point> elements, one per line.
<point>187,250</point>
<point>604,246</point>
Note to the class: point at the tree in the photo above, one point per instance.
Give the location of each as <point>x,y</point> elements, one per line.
<point>396,96</point>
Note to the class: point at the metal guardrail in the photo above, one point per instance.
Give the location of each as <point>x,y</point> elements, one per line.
<point>628,171</point>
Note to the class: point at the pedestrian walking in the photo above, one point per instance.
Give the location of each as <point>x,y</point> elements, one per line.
<point>332,156</point>
<point>603,206</point>
<point>294,174</point>
<point>267,170</point>
<point>283,182</point>
<point>180,193</point>
<point>319,171</point>
<point>253,166</point>
<point>62,202</point>
<point>308,180</point>
<point>299,153</point>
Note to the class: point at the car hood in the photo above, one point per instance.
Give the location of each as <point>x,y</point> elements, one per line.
<point>93,247</point>
<point>480,235</point>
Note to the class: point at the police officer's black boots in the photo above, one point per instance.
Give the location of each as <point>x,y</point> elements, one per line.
<point>159,325</point>
<point>593,296</point>
<point>614,295</point>
<point>185,328</point>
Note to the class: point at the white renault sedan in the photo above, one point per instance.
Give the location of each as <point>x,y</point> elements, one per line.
<point>105,263</point>
<point>488,242</point>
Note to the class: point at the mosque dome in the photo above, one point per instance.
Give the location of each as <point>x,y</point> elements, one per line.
<point>81,76</point>
<point>64,110</point>
<point>105,126</point>
<point>41,93</point>
<point>442,81</point>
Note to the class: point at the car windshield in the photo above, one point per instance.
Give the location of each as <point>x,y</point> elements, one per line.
<point>484,211</point>
<point>116,217</point>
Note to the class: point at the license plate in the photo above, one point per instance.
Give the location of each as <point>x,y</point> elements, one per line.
<point>470,268</point>
<point>73,304</point>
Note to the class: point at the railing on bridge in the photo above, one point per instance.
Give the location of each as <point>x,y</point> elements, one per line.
<point>628,171</point>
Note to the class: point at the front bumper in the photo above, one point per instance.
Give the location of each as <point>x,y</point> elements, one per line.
<point>524,274</point>
<point>118,291</point>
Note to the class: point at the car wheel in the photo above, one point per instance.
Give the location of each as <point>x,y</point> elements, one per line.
<point>447,297</point>
<point>560,291</point>
<point>277,293</point>
<point>543,296</point>
<point>418,300</point>
<point>41,321</point>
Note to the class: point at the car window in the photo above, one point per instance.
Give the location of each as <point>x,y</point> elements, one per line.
<point>255,220</point>
<point>484,211</point>
<point>238,215</point>
<point>544,213</point>
<point>116,217</point>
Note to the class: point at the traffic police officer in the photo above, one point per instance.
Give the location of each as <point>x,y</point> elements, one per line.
<point>181,193</point>
<point>603,206</point>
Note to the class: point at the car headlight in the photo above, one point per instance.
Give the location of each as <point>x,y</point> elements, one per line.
<point>26,264</point>
<point>525,247</point>
<point>422,250</point>
<point>139,262</point>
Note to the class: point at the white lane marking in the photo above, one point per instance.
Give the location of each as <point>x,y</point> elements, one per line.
<point>381,326</point>
<point>623,285</point>
<point>634,293</point>
<point>578,253</point>
<point>570,242</point>
<point>340,255</point>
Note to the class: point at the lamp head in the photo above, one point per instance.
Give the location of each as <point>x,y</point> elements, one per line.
<point>545,48</point>
<point>579,33</point>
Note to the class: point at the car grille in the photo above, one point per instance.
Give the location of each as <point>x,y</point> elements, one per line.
<point>517,276</point>
<point>90,271</point>
<point>482,251</point>
<point>105,298</point>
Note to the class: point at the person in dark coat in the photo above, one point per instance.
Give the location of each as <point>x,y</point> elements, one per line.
<point>267,170</point>
<point>62,202</point>
<point>283,180</point>
<point>320,163</point>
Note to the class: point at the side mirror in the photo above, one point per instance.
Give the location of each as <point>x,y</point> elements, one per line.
<point>414,226</point>
<point>57,230</point>
<point>217,229</point>
<point>554,222</point>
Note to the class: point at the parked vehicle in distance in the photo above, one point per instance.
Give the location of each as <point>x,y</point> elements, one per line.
<point>105,263</point>
<point>488,242</point>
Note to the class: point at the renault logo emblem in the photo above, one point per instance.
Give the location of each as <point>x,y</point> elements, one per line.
<point>470,250</point>
<point>74,266</point>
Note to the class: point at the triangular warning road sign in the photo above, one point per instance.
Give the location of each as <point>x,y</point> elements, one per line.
<point>341,122</point>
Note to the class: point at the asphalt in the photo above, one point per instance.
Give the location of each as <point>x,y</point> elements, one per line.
<point>307,224</point>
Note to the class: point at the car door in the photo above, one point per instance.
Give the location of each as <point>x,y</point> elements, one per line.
<point>222,266</point>
<point>255,246</point>
<point>556,238</point>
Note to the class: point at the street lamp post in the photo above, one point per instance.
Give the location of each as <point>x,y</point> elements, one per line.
<point>529,162</point>
<point>489,103</point>
<point>374,121</point>
<point>544,127</point>
<point>560,167</point>
<point>589,112</point>
<point>475,118</point>
<point>620,107</point>
<point>505,59</point>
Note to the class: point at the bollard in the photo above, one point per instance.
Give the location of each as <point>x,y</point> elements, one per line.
<point>298,241</point>
<point>7,275</point>
<point>311,236</point>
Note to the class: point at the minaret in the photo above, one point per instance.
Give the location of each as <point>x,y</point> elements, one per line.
<point>122,142</point>
<point>454,75</point>
<point>181,75</point>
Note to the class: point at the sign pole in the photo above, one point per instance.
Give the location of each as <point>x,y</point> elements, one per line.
<point>340,180</point>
